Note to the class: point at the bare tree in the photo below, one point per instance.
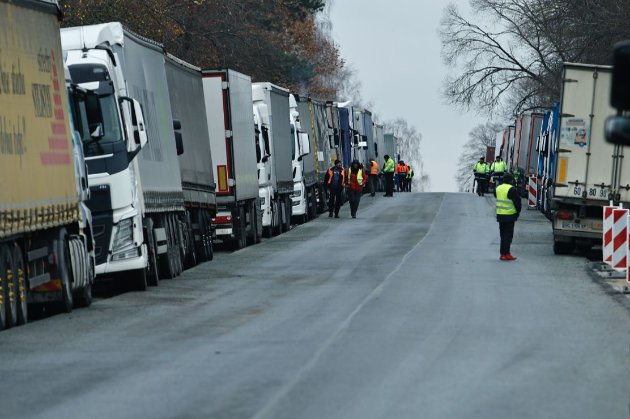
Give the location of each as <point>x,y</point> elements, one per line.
<point>511,52</point>
<point>481,137</point>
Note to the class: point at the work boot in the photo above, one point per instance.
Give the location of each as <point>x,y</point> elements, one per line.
<point>504,257</point>
<point>336,215</point>
<point>330,214</point>
<point>510,257</point>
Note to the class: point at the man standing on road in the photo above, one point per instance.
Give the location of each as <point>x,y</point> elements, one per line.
<point>498,169</point>
<point>508,210</point>
<point>356,182</point>
<point>336,182</point>
<point>388,170</point>
<point>480,176</point>
<point>401,175</point>
<point>373,179</point>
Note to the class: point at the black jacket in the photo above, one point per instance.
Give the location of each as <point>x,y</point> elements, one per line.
<point>514,197</point>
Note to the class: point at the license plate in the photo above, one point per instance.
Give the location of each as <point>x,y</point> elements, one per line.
<point>585,226</point>
<point>223,231</point>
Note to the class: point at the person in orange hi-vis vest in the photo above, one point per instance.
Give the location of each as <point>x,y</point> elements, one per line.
<point>373,179</point>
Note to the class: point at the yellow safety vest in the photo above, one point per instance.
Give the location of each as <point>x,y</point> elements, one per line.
<point>505,206</point>
<point>389,166</point>
<point>499,166</point>
<point>359,176</point>
<point>480,168</point>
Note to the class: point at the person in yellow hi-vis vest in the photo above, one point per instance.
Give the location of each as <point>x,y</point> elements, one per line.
<point>508,209</point>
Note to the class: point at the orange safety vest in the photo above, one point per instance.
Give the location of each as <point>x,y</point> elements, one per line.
<point>374,168</point>
<point>401,168</point>
<point>343,176</point>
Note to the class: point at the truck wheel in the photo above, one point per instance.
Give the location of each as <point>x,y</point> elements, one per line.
<point>241,232</point>
<point>153,276</point>
<point>562,248</point>
<point>22,290</point>
<point>166,268</point>
<point>64,266</point>
<point>252,237</point>
<point>287,213</point>
<point>84,297</point>
<point>207,230</point>
<point>275,218</point>
<point>12,287</point>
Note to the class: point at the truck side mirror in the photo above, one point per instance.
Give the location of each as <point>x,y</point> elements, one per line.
<point>617,129</point>
<point>139,127</point>
<point>179,141</point>
<point>305,144</point>
<point>620,88</point>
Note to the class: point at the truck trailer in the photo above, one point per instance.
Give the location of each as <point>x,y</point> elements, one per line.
<point>589,171</point>
<point>228,104</point>
<point>185,87</point>
<point>46,246</point>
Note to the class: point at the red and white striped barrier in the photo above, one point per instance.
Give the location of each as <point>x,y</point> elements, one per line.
<point>620,240</point>
<point>607,238</point>
<point>532,191</point>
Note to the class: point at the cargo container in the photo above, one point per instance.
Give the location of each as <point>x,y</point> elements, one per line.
<point>189,114</point>
<point>589,171</point>
<point>46,246</point>
<point>228,101</point>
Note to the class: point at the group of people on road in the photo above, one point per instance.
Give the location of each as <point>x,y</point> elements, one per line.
<point>356,178</point>
<point>485,172</point>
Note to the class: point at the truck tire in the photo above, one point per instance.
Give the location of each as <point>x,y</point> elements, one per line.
<point>64,268</point>
<point>275,218</point>
<point>22,290</point>
<point>166,268</point>
<point>153,275</point>
<point>207,229</point>
<point>12,286</point>
<point>562,248</point>
<point>241,230</point>
<point>287,213</point>
<point>252,236</point>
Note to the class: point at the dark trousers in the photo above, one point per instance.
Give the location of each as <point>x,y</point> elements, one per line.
<point>408,184</point>
<point>506,229</point>
<point>334,202</point>
<point>389,183</point>
<point>373,181</point>
<point>354,198</point>
<point>401,182</point>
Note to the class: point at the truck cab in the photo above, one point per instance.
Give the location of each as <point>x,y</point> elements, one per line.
<point>114,136</point>
<point>301,149</point>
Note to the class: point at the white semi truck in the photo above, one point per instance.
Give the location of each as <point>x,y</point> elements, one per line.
<point>275,176</point>
<point>304,199</point>
<point>136,189</point>
<point>589,172</point>
<point>228,107</point>
<point>46,246</point>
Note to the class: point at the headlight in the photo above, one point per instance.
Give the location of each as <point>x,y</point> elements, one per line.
<point>262,201</point>
<point>124,235</point>
<point>297,194</point>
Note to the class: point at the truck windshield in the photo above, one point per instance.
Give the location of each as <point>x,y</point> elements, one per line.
<point>98,121</point>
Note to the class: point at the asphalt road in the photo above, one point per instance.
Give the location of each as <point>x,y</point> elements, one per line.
<point>405,312</point>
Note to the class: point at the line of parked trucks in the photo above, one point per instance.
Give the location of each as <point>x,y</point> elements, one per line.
<point>121,160</point>
<point>577,172</point>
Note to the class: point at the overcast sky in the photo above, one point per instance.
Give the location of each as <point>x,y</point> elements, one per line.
<point>395,47</point>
